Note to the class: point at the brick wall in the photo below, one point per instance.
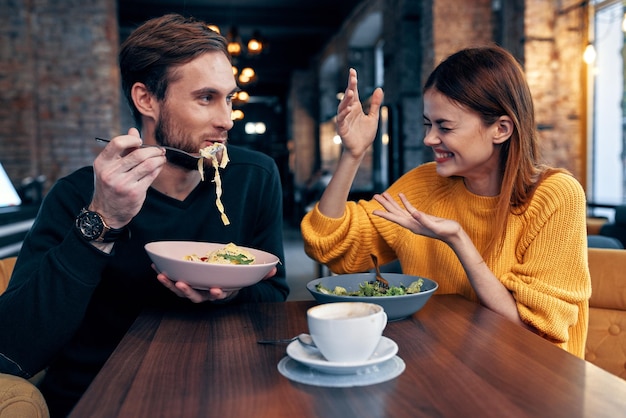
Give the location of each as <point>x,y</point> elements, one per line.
<point>554,42</point>
<point>59,84</point>
<point>17,90</point>
<point>456,27</point>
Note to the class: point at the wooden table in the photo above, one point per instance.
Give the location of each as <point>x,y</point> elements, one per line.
<point>462,360</point>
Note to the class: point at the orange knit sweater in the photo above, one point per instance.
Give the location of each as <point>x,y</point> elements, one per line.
<point>543,261</point>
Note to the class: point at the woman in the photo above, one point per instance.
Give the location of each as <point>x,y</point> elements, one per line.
<point>485,220</point>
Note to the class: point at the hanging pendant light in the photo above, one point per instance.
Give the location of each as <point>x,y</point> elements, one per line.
<point>247,75</point>
<point>236,49</point>
<point>255,45</point>
<point>234,42</point>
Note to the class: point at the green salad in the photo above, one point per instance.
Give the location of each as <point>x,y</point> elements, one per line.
<point>373,288</point>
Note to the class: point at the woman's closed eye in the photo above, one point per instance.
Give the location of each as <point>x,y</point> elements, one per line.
<point>429,126</point>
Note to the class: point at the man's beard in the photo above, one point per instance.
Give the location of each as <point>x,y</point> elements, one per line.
<point>165,134</point>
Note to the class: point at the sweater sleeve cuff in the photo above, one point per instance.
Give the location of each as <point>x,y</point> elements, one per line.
<point>81,259</point>
<point>323,224</point>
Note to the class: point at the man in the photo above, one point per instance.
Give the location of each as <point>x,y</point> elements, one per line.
<point>75,291</point>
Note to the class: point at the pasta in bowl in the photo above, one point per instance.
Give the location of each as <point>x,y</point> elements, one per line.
<point>204,265</point>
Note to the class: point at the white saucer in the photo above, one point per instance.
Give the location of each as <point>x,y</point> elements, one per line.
<point>378,373</point>
<point>311,357</point>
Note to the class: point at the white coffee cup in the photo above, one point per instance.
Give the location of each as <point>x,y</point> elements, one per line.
<point>346,332</point>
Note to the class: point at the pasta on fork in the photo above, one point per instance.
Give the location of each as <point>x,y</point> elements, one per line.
<point>210,152</point>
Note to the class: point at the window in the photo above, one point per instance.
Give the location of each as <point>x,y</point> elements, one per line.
<point>607,180</point>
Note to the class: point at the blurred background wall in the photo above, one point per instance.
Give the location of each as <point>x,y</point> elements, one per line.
<point>60,86</point>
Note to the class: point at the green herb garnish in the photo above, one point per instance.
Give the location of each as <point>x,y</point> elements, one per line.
<point>373,288</point>
<point>237,258</point>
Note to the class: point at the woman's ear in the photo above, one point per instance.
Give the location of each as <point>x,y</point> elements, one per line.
<point>503,129</point>
<point>144,101</point>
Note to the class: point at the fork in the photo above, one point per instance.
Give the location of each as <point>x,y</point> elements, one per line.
<point>196,157</point>
<point>303,338</point>
<point>379,278</point>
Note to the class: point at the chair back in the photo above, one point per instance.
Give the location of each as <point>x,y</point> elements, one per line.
<point>19,397</point>
<point>6,268</point>
<point>606,339</point>
<point>600,241</point>
<point>617,228</point>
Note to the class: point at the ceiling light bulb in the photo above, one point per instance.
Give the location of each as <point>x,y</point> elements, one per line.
<point>247,72</point>
<point>255,45</point>
<point>243,96</point>
<point>234,42</point>
<point>234,48</point>
<point>236,115</point>
<point>589,55</point>
<point>249,128</point>
<point>260,128</point>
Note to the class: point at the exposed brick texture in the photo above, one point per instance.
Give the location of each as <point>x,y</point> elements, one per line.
<point>460,25</point>
<point>59,84</point>
<point>555,71</point>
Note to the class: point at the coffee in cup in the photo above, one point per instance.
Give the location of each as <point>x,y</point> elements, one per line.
<point>346,332</point>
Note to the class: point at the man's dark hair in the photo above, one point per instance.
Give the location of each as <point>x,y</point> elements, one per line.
<point>152,52</point>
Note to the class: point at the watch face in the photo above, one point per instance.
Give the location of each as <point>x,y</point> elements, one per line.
<point>90,225</point>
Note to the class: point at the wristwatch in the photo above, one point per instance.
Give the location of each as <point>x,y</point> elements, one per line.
<point>92,227</point>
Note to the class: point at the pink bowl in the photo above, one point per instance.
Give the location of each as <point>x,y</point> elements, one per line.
<point>168,257</point>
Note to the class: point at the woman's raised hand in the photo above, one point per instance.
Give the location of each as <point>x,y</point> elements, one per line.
<point>357,129</point>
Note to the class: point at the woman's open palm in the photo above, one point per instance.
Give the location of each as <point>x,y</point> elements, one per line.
<point>417,222</point>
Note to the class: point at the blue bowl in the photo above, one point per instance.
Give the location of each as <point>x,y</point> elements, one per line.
<point>396,307</point>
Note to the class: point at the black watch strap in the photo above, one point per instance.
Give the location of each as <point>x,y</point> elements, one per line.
<point>112,234</point>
